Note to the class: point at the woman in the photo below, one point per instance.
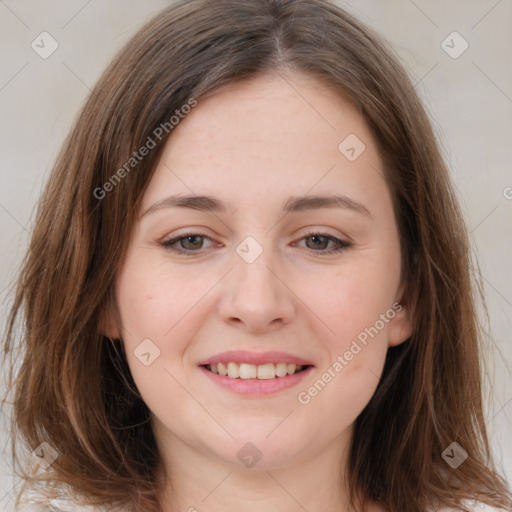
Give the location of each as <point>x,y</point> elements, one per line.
<point>249,281</point>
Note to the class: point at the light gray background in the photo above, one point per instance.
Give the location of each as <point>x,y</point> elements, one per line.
<point>469,99</point>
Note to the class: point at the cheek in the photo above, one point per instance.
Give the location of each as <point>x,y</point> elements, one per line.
<point>356,297</point>
<point>154,299</point>
<point>357,313</point>
<point>156,307</point>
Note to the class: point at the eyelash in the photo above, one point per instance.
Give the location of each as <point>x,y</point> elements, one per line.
<point>169,244</point>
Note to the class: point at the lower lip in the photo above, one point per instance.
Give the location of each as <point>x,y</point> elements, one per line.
<point>257,387</point>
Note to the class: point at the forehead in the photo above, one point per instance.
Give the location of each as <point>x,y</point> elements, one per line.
<point>274,135</point>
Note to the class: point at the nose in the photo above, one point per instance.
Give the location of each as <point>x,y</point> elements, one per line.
<point>256,295</point>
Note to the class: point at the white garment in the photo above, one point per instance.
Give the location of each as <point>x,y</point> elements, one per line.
<point>57,506</point>
<point>476,506</point>
<point>67,506</point>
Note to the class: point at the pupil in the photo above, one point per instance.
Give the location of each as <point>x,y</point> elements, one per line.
<point>317,238</point>
<point>191,239</point>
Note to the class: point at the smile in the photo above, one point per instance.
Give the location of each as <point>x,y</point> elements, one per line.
<point>267,381</point>
<point>252,371</point>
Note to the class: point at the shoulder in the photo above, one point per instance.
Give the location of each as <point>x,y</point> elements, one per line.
<point>51,507</point>
<point>475,506</point>
<point>47,505</point>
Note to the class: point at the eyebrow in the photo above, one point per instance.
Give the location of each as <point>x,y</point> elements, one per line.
<point>291,205</point>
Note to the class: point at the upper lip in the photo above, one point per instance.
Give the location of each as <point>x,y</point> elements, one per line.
<point>256,358</point>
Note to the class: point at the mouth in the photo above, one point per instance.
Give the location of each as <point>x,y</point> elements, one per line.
<point>255,374</point>
<point>247,371</point>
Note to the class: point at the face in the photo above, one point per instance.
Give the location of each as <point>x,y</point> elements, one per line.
<point>271,266</point>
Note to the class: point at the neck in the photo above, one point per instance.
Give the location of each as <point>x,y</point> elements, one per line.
<point>196,481</point>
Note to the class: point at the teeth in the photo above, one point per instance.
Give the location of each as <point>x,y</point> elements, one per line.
<point>282,369</point>
<point>222,369</point>
<point>266,371</point>
<point>233,370</point>
<point>252,371</point>
<point>247,371</point>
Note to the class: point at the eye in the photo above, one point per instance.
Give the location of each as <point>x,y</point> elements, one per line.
<point>191,242</point>
<point>319,243</point>
<point>186,243</point>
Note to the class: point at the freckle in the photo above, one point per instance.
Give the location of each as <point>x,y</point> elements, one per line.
<point>150,297</point>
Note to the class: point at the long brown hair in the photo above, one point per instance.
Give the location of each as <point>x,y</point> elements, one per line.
<point>73,388</point>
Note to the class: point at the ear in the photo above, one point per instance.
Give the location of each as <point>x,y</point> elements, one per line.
<point>108,324</point>
<point>401,325</point>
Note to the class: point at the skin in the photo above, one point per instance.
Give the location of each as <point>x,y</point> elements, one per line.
<point>253,145</point>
